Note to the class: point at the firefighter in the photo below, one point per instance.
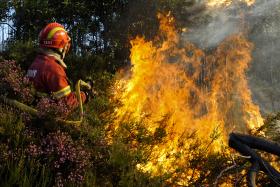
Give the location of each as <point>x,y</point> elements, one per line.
<point>47,72</point>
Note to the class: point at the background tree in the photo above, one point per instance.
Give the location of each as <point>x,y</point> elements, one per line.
<point>3,10</point>
<point>95,26</point>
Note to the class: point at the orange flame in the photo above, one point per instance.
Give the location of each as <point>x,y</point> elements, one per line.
<point>191,91</point>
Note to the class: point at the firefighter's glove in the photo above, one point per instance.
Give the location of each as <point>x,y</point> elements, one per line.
<point>88,96</point>
<point>90,83</point>
<point>92,91</point>
<point>85,85</point>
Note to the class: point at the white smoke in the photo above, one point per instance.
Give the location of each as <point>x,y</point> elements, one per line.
<point>261,23</point>
<point>220,22</point>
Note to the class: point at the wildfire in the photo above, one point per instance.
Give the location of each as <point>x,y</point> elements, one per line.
<point>219,3</point>
<point>187,95</point>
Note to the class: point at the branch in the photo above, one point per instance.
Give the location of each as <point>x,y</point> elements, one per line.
<point>229,168</point>
<point>225,170</point>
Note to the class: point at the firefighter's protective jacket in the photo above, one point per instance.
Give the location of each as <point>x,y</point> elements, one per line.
<point>47,73</point>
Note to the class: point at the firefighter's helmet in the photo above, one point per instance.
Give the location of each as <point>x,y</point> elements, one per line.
<point>54,36</point>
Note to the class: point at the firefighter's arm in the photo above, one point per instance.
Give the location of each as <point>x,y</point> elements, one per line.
<point>61,89</point>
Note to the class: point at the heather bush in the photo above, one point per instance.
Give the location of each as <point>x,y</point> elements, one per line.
<point>16,169</point>
<point>13,82</point>
<point>48,108</point>
<point>68,160</point>
<point>31,156</point>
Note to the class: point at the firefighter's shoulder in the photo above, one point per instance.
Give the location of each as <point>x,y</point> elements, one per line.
<point>51,66</point>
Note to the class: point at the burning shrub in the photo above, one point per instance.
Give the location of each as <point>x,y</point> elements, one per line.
<point>192,164</point>
<point>188,103</point>
<point>13,82</point>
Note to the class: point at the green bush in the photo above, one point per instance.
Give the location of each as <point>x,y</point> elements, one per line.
<point>23,52</point>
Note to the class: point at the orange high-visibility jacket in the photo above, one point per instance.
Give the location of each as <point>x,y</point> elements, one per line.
<point>48,76</point>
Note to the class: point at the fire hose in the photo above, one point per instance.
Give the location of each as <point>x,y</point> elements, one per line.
<point>246,144</point>
<point>25,108</point>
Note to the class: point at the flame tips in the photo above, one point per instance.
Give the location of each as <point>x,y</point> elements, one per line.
<point>226,3</point>
<point>186,91</point>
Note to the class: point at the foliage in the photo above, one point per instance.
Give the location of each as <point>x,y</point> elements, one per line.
<point>48,108</point>
<point>31,156</point>
<point>16,169</point>
<point>94,26</point>
<point>4,10</point>
<point>22,52</point>
<point>67,159</point>
<point>88,19</point>
<point>14,83</point>
<point>34,154</point>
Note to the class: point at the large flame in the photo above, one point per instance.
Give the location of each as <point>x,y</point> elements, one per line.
<point>178,87</point>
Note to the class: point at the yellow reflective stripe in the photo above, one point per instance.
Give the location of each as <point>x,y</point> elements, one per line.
<point>63,92</point>
<point>53,31</point>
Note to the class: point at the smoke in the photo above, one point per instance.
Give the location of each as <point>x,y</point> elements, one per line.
<point>208,26</point>
<point>215,24</point>
<point>211,34</point>
<point>260,22</point>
